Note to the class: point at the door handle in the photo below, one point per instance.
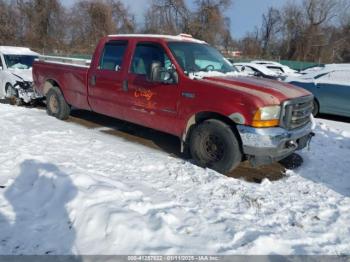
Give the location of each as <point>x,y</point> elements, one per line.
<point>93,80</point>
<point>125,86</point>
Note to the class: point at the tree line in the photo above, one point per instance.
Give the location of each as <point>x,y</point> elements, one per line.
<point>50,27</point>
<point>313,30</point>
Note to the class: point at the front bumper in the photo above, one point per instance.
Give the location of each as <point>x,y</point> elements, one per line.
<point>26,92</point>
<point>267,145</point>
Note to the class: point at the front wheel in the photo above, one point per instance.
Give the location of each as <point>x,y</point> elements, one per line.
<point>9,91</point>
<point>11,95</point>
<point>213,144</point>
<point>56,105</point>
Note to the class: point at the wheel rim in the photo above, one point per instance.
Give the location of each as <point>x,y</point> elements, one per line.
<point>214,148</point>
<point>53,103</point>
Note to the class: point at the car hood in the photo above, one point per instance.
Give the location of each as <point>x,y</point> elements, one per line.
<point>22,74</point>
<point>271,92</point>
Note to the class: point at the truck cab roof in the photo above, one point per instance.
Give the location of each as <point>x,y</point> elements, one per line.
<point>180,37</point>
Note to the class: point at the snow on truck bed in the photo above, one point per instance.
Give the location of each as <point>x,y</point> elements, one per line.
<point>68,189</point>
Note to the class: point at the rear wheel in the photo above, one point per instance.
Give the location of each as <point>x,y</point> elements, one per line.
<point>56,105</point>
<point>213,144</point>
<point>316,108</point>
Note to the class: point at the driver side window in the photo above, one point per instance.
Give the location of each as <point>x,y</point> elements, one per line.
<point>145,54</point>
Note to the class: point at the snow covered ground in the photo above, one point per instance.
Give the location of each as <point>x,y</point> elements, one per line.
<point>67,189</point>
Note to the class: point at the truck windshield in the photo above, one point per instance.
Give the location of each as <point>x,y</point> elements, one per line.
<point>19,61</point>
<point>196,57</point>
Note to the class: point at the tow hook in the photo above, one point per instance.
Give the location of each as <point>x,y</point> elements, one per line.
<point>291,144</point>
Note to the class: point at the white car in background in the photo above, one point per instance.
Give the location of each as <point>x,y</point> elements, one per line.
<point>277,67</point>
<point>16,73</point>
<point>318,68</point>
<point>251,69</point>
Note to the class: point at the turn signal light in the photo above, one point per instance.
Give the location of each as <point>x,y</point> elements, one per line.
<point>266,117</point>
<point>266,123</point>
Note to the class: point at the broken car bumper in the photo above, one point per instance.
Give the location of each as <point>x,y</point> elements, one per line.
<point>268,145</point>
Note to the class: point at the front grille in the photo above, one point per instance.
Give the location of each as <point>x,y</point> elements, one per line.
<point>296,113</point>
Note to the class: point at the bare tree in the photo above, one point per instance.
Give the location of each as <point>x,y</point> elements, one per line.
<point>250,45</point>
<point>271,25</point>
<point>293,26</point>
<point>91,20</point>
<point>209,21</point>
<point>318,13</point>
<point>8,22</point>
<point>43,20</point>
<point>167,16</point>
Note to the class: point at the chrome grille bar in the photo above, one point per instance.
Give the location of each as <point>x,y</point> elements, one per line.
<point>296,112</point>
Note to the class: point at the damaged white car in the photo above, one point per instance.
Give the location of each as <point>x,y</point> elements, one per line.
<point>16,74</point>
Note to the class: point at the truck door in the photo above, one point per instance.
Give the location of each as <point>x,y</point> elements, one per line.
<point>105,80</point>
<point>152,104</point>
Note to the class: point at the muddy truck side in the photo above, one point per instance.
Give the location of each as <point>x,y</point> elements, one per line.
<point>184,87</point>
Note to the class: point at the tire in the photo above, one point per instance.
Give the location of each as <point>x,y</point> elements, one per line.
<point>292,161</point>
<point>11,95</point>
<point>213,144</point>
<point>8,91</point>
<point>316,108</point>
<point>56,105</point>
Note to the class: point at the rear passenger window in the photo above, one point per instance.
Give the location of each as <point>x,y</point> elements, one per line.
<point>112,57</point>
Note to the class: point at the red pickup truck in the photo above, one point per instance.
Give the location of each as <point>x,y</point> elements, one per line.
<point>182,86</point>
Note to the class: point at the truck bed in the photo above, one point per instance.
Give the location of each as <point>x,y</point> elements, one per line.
<point>68,73</point>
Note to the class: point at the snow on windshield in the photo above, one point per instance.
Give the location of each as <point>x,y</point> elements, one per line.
<point>202,74</point>
<point>19,61</point>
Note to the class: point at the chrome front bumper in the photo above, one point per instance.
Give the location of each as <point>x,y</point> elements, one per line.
<point>268,145</point>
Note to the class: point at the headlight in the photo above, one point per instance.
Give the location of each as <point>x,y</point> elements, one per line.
<point>268,116</point>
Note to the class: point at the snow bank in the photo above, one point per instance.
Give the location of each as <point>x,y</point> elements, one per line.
<point>69,189</point>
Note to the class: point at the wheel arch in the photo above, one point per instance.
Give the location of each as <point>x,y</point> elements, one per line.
<point>200,117</point>
<point>49,83</point>
<point>6,84</point>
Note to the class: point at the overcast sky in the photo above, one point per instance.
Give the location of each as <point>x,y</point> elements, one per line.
<point>244,14</point>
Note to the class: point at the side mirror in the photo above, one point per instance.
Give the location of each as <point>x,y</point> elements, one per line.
<point>161,75</point>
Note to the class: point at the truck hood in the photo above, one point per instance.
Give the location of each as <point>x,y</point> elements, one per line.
<point>22,74</point>
<point>271,92</point>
